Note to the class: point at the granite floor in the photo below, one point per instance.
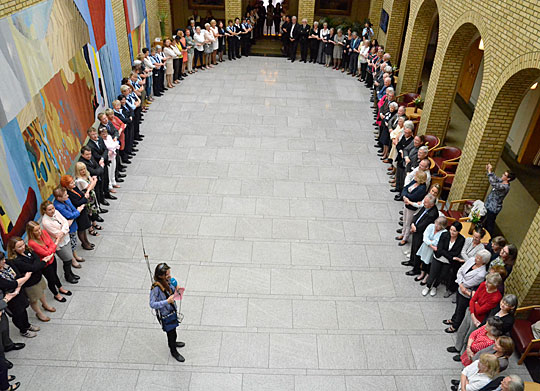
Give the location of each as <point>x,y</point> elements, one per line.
<point>259,184</point>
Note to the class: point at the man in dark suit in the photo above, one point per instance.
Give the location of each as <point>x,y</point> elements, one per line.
<point>404,165</point>
<point>425,216</point>
<point>303,39</point>
<point>285,33</point>
<point>293,35</point>
<point>124,116</point>
<point>238,30</point>
<point>353,54</point>
<point>101,155</point>
<point>104,123</point>
<point>505,383</point>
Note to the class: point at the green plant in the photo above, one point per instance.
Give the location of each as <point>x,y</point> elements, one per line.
<point>475,218</point>
<point>418,103</point>
<point>163,16</point>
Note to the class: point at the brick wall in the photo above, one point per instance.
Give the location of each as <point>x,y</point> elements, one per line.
<point>509,70</point>
<point>7,7</point>
<point>306,9</point>
<point>152,10</point>
<point>164,6</point>
<point>397,15</point>
<point>375,8</point>
<point>233,9</point>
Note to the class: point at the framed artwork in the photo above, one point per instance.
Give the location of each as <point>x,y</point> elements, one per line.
<point>206,4</point>
<point>333,7</point>
<point>383,24</point>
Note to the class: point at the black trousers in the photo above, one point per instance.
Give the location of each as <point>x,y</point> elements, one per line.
<point>286,45</point>
<point>369,79</point>
<point>363,70</point>
<point>416,242</point>
<point>353,62</point>
<point>19,317</point>
<point>155,83</point>
<point>489,222</point>
<point>400,177</point>
<point>293,46</point>
<point>4,385</point>
<point>128,140</point>
<point>51,276</point>
<point>303,50</point>
<point>171,340</point>
<point>345,60</point>
<point>245,45</point>
<point>198,56</point>
<point>462,303</point>
<point>177,67</point>
<point>237,48</point>
<point>231,51</point>
<point>162,79</point>
<point>450,280</point>
<point>136,124</point>
<point>439,271</point>
<point>313,50</point>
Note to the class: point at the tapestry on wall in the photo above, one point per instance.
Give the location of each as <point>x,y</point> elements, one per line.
<point>49,98</point>
<point>137,26</point>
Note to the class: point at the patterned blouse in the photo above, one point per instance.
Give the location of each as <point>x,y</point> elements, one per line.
<point>494,200</point>
<point>480,341</point>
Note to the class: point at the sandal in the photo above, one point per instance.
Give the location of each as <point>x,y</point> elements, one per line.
<point>13,387</point>
<point>98,227</point>
<point>447,322</point>
<point>11,378</point>
<point>450,330</point>
<point>93,233</point>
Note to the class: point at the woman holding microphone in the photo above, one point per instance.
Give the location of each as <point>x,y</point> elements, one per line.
<point>162,297</point>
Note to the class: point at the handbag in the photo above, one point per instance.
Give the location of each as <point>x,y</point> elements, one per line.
<point>168,322</point>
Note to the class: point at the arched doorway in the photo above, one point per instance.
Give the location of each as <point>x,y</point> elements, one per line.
<point>422,30</point>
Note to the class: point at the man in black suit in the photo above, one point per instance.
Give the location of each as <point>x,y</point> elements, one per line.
<point>285,33</point>
<point>303,38</point>
<point>101,155</point>
<point>238,30</point>
<point>505,383</point>
<point>404,165</point>
<point>293,35</point>
<point>425,216</point>
<point>95,169</point>
<point>124,116</point>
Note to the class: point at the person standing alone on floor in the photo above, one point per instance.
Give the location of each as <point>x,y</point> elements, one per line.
<point>494,201</point>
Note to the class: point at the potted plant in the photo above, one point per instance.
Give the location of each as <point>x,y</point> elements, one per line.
<point>475,221</point>
<point>418,104</point>
<point>162,17</point>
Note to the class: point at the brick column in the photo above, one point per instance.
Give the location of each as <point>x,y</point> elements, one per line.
<point>164,6</point>
<point>375,9</point>
<point>524,282</point>
<point>306,9</point>
<point>416,42</point>
<point>233,9</point>
<point>443,81</point>
<point>396,24</point>
<point>121,36</point>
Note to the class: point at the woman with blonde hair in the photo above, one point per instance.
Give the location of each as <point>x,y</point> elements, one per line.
<point>78,199</point>
<point>42,244</point>
<point>169,56</point>
<point>22,258</point>
<point>478,374</point>
<point>215,44</point>
<point>86,183</point>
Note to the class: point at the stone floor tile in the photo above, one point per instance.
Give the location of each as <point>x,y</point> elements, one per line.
<point>244,350</point>
<point>319,383</point>
<point>271,313</point>
<point>310,254</point>
<point>291,282</point>
<point>358,315</point>
<point>232,251</point>
<point>215,381</point>
<point>208,278</point>
<point>372,383</point>
<point>409,314</point>
<point>110,379</point>
<point>341,352</point>
<point>255,382</point>
<point>293,351</point>
<point>249,280</point>
<point>314,314</point>
<point>373,284</point>
<point>399,358</point>
<point>332,283</point>
<point>224,311</point>
<point>272,253</point>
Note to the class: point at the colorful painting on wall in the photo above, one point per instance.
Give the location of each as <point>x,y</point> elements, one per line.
<point>50,97</point>
<point>137,26</point>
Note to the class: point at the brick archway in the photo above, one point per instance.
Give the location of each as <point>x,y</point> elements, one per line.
<point>490,126</point>
<point>421,21</point>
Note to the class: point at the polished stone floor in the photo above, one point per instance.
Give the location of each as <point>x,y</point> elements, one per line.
<point>259,184</point>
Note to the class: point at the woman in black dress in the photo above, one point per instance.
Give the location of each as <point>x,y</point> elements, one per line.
<point>277,18</point>
<point>77,198</point>
<point>328,40</point>
<point>314,40</point>
<point>221,41</point>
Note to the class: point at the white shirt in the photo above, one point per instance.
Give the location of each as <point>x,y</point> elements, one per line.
<point>148,63</point>
<point>209,36</point>
<point>169,53</point>
<point>410,176</point>
<point>199,41</point>
<point>476,380</point>
<point>55,225</point>
<point>292,29</point>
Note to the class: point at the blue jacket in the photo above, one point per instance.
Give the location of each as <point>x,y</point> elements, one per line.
<point>69,212</point>
<point>158,301</point>
<point>417,194</point>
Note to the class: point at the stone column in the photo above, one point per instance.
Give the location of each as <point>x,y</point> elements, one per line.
<point>233,9</point>
<point>414,49</point>
<point>524,282</point>
<point>306,9</point>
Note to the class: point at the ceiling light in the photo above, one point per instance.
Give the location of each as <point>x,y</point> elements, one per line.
<point>481,44</point>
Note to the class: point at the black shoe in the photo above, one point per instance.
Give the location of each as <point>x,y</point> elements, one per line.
<point>457,358</point>
<point>406,263</point>
<point>135,150</point>
<point>178,356</point>
<point>454,388</point>
<point>103,211</point>
<point>398,198</point>
<point>8,363</point>
<point>401,212</point>
<point>452,349</point>
<point>180,344</point>
<point>63,299</point>
<point>447,294</point>
<point>394,190</point>
<point>75,277</point>
<point>412,273</point>
<point>401,223</point>
<point>399,231</point>
<point>123,169</point>
<point>71,280</point>
<point>104,202</point>
<point>110,197</point>
<point>99,219</point>
<point>454,382</point>
<point>120,180</point>
<point>15,346</point>
<point>122,175</point>
<point>126,161</point>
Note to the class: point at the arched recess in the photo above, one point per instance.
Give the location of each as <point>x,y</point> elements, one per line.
<point>490,127</point>
<point>444,79</point>
<point>417,39</point>
<point>396,26</point>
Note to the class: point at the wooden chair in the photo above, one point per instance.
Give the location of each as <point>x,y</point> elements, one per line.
<point>455,210</point>
<point>445,154</point>
<point>439,180</point>
<point>530,386</point>
<point>522,333</point>
<point>450,169</point>
<point>432,142</point>
<point>406,99</point>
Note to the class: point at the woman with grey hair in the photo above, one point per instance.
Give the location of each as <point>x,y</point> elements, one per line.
<point>324,32</point>
<point>469,276</point>
<point>339,40</point>
<point>430,241</point>
<point>314,40</point>
<point>505,310</point>
<point>384,137</point>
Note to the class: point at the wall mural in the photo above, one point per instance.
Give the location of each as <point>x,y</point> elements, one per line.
<point>50,97</point>
<point>137,26</point>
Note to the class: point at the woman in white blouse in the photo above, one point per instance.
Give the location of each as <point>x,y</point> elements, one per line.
<point>112,147</point>
<point>208,45</point>
<point>475,376</point>
<point>169,56</point>
<point>362,59</point>
<point>199,39</point>
<point>57,227</point>
<point>215,45</point>
<point>324,32</point>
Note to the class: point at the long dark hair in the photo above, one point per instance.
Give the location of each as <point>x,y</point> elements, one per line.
<point>159,278</point>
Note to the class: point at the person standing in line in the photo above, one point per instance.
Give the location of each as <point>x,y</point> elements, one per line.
<point>314,40</point>
<point>494,201</point>
<point>162,300</point>
<point>303,39</point>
